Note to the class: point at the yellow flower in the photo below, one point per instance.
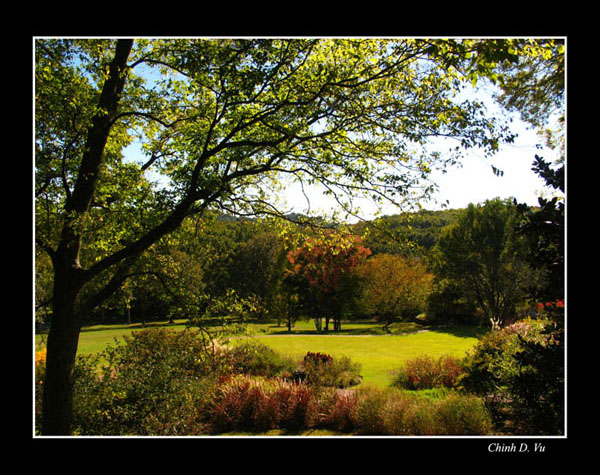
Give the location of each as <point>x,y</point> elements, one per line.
<point>40,357</point>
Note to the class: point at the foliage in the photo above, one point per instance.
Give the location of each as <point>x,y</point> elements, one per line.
<point>535,88</point>
<point>322,370</point>
<point>254,358</point>
<point>520,369</point>
<point>321,270</point>
<point>544,231</point>
<point>154,384</point>
<point>245,403</point>
<point>392,287</point>
<point>424,372</point>
<point>409,233</point>
<point>390,412</point>
<point>538,388</point>
<point>228,307</point>
<point>257,405</point>
<point>485,257</point>
<point>490,362</point>
<point>448,303</point>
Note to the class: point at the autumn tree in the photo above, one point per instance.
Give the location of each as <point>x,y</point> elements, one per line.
<point>221,124</point>
<point>322,269</point>
<point>393,287</point>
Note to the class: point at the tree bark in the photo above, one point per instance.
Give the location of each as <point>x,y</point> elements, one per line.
<point>69,278</point>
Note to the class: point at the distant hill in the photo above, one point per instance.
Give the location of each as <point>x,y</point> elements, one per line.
<point>408,233</point>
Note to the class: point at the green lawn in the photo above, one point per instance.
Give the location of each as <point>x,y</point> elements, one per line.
<point>378,354</point>
<point>93,339</point>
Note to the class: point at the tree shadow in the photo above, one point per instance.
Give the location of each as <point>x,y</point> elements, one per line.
<point>133,326</point>
<point>462,331</point>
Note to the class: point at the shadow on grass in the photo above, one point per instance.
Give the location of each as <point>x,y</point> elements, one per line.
<point>274,331</point>
<point>134,326</point>
<point>462,331</point>
<point>348,328</point>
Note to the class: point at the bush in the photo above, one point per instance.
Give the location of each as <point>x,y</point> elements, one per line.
<point>424,372</point>
<point>322,370</point>
<point>368,417</point>
<point>254,358</point>
<point>392,412</point>
<point>537,389</point>
<point>244,403</point>
<point>155,384</point>
<point>339,411</point>
<point>255,404</point>
<point>463,415</point>
<point>520,372</point>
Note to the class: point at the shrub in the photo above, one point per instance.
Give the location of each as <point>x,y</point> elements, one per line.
<point>339,411</point>
<point>322,370</point>
<point>256,404</point>
<point>154,384</point>
<point>425,372</point>
<point>298,405</point>
<point>391,412</point>
<point>537,389</point>
<point>254,358</point>
<point>368,416</point>
<point>242,404</point>
<point>462,415</point>
<point>520,372</point>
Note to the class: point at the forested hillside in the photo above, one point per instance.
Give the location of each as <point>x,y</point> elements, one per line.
<point>408,233</point>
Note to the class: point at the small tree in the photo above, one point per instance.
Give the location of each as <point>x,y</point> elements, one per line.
<point>393,286</point>
<point>485,257</point>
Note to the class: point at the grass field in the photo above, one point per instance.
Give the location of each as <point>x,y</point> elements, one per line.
<point>378,354</point>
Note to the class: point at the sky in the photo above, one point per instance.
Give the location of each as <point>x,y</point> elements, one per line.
<point>473,181</point>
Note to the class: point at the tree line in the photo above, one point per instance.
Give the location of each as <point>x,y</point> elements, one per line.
<point>488,260</point>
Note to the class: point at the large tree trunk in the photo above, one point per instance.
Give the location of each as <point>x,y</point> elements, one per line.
<point>60,357</point>
<point>69,278</point>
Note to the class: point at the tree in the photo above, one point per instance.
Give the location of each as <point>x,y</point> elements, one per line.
<point>483,254</point>
<point>535,87</point>
<point>321,269</point>
<point>257,267</point>
<point>544,231</point>
<point>393,286</point>
<point>221,123</point>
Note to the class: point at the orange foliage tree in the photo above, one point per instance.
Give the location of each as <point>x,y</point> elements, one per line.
<point>321,269</point>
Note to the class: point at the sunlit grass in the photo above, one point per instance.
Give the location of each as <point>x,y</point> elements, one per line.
<point>378,355</point>
<point>364,342</point>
